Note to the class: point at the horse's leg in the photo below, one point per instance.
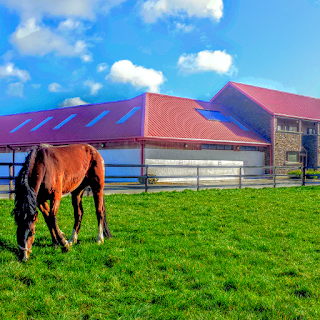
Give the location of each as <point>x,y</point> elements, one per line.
<point>54,206</point>
<point>78,213</point>
<point>45,209</point>
<point>99,203</point>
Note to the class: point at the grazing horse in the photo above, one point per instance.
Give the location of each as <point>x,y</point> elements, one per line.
<point>47,174</point>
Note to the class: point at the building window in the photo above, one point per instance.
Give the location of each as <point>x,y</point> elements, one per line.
<point>217,146</point>
<point>249,148</point>
<point>293,128</point>
<point>292,156</point>
<point>311,131</point>
<point>287,125</point>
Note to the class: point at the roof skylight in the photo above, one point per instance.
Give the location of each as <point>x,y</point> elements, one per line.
<point>99,117</point>
<point>128,115</point>
<point>238,123</point>
<point>65,121</point>
<point>20,125</point>
<point>41,124</point>
<point>213,115</point>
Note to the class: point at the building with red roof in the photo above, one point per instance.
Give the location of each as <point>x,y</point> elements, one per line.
<point>289,121</point>
<point>242,124</point>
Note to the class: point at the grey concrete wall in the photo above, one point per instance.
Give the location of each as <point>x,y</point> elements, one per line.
<point>209,174</point>
<point>215,158</point>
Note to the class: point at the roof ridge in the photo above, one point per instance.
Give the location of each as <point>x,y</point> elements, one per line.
<point>71,107</point>
<point>290,93</point>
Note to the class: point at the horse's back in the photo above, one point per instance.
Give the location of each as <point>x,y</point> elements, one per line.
<point>66,167</point>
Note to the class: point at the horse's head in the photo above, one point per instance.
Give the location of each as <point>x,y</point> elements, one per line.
<point>25,238</point>
<point>25,214</point>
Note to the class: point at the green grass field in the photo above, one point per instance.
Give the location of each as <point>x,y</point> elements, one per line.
<point>211,254</point>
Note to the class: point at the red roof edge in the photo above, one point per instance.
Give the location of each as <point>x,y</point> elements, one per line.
<point>188,140</point>
<point>144,120</point>
<point>234,85</point>
<point>220,91</point>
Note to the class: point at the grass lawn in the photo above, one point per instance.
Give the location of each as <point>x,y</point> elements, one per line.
<point>211,254</point>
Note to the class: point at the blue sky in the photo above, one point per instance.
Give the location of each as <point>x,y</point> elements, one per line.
<point>57,53</point>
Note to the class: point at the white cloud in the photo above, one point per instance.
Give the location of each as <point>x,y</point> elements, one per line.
<point>102,67</point>
<point>154,9</point>
<point>33,39</point>
<point>9,70</point>
<point>84,9</point>
<point>65,8</point>
<point>15,89</point>
<point>218,61</point>
<point>55,87</point>
<point>71,102</point>
<point>94,86</point>
<point>124,71</point>
<point>111,3</point>
<point>69,24</point>
<point>86,57</point>
<point>36,86</point>
<point>184,27</point>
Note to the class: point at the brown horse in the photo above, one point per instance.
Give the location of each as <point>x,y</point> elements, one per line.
<point>47,174</point>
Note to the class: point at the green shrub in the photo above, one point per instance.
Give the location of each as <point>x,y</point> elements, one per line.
<point>297,174</point>
<point>310,174</point>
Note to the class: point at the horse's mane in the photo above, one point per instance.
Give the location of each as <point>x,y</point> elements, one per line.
<point>26,198</point>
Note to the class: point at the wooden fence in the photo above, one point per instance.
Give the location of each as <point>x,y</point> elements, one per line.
<point>185,177</point>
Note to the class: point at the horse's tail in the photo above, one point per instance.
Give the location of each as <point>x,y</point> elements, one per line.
<point>25,196</point>
<point>106,230</point>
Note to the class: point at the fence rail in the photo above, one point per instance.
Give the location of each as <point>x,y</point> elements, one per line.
<point>186,177</point>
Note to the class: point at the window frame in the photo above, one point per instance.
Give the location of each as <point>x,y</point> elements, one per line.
<point>290,153</point>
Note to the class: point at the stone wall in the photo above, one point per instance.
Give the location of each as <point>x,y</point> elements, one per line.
<point>283,142</point>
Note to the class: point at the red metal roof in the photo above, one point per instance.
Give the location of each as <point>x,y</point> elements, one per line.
<point>54,131</point>
<point>176,118</point>
<point>281,103</point>
<point>148,116</point>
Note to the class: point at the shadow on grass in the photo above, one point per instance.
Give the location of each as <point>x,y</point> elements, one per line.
<point>5,245</point>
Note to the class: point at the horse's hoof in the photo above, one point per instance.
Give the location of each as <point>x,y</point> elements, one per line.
<point>24,259</point>
<point>65,248</point>
<point>100,241</point>
<point>72,242</point>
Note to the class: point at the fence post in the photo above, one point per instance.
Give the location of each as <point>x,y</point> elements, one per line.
<point>274,177</point>
<point>11,177</point>
<point>198,178</point>
<point>147,180</point>
<point>303,175</point>
<point>240,176</point>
